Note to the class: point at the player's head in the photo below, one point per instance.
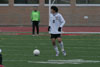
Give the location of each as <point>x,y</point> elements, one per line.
<point>35,8</point>
<point>54,9</point>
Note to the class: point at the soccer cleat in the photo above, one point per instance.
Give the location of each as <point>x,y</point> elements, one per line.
<point>64,53</point>
<point>33,35</point>
<point>57,53</point>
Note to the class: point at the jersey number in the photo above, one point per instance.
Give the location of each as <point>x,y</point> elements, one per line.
<point>53,21</point>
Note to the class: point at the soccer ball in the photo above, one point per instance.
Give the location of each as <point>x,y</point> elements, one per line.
<point>36,52</point>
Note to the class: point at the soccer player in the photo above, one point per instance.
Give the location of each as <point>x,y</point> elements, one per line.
<point>35,18</point>
<point>1,59</point>
<point>55,28</point>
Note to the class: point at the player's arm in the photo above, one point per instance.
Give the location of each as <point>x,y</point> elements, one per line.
<point>39,16</point>
<point>49,24</point>
<point>61,19</point>
<point>31,16</point>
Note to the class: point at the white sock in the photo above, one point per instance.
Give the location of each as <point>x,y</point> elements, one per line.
<point>56,49</point>
<point>61,46</point>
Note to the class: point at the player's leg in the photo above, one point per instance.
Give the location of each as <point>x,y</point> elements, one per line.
<point>61,45</point>
<point>37,27</point>
<point>53,39</point>
<point>33,28</point>
<point>55,46</point>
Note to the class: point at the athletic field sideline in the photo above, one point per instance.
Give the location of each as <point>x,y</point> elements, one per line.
<point>83,51</point>
<point>43,30</point>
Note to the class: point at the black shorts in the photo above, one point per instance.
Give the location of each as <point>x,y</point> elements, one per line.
<point>55,36</point>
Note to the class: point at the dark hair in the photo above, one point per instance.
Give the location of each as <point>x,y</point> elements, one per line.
<point>54,8</point>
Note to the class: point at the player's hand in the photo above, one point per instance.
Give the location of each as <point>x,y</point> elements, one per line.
<point>39,22</point>
<point>59,29</point>
<point>49,28</point>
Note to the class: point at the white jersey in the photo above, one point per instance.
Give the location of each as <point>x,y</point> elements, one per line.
<point>56,21</point>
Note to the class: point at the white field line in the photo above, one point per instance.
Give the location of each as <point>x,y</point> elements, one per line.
<point>45,55</point>
<point>81,32</point>
<point>74,61</point>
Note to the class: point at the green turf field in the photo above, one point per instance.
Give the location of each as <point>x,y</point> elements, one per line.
<point>83,51</point>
